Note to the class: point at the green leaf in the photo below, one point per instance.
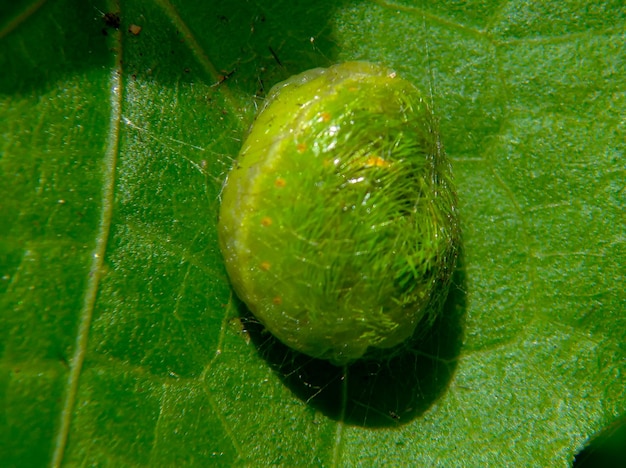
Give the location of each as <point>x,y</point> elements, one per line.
<point>120,339</point>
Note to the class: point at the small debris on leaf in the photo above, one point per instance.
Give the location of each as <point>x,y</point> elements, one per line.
<point>134,29</point>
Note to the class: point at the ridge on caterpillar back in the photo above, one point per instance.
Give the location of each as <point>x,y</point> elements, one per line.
<point>338,222</point>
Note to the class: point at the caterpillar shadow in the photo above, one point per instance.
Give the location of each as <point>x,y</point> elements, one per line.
<point>374,393</point>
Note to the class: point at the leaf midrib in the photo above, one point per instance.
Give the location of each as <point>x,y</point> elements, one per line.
<point>98,253</point>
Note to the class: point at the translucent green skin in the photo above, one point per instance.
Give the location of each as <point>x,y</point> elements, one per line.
<point>338,221</point>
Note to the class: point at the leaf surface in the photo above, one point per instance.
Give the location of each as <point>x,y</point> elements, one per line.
<point>120,340</point>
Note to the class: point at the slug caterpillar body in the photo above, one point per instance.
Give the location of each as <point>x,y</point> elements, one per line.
<point>338,221</point>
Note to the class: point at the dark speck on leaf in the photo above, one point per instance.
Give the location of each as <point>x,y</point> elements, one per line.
<point>112,20</point>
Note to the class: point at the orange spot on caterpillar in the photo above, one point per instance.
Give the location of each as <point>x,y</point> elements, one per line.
<point>277,300</point>
<point>376,161</point>
<point>325,116</point>
<point>266,221</point>
<point>301,147</point>
<point>280,182</point>
<point>265,266</point>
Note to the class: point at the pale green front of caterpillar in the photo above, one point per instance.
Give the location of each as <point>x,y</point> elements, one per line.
<point>338,221</point>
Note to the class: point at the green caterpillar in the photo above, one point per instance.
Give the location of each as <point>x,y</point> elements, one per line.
<point>338,222</point>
